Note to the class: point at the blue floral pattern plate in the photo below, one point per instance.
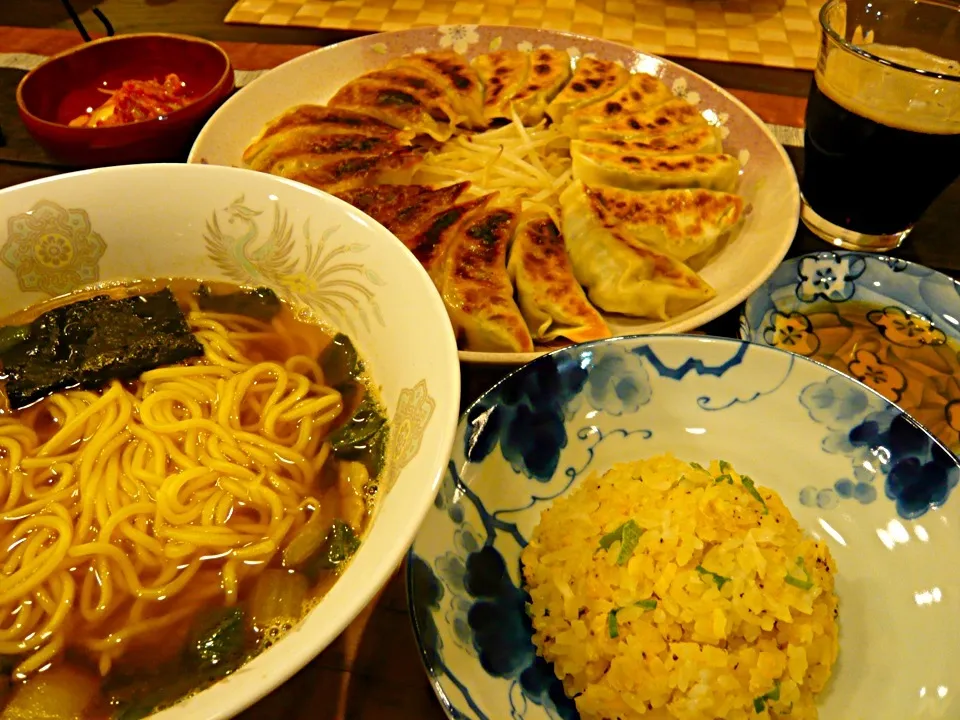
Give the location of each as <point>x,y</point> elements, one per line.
<point>891,324</point>
<point>853,469</point>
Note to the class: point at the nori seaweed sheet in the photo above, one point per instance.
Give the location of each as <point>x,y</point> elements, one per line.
<point>90,342</point>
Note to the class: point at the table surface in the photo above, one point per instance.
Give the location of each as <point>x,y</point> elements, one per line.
<point>372,670</point>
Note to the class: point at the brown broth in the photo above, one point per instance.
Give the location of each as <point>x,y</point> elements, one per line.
<point>901,355</point>
<point>153,664</point>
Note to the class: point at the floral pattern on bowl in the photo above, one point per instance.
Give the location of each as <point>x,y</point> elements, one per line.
<point>52,249</point>
<point>913,310</point>
<point>882,500</point>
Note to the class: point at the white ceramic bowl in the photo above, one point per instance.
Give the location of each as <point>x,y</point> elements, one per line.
<point>219,223</point>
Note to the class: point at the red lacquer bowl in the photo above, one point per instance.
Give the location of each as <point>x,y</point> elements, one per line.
<point>66,85</point>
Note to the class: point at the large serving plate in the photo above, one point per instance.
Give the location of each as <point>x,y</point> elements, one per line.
<point>793,425</point>
<point>768,181</point>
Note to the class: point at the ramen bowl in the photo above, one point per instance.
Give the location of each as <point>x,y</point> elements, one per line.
<point>68,85</point>
<point>891,324</point>
<point>794,426</point>
<point>329,262</point>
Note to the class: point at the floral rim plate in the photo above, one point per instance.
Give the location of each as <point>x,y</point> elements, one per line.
<point>793,425</point>
<point>916,320</point>
<point>768,181</point>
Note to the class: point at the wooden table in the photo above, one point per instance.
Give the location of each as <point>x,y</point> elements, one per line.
<point>372,671</point>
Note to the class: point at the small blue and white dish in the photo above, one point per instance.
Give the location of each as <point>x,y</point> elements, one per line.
<point>854,470</point>
<point>891,324</point>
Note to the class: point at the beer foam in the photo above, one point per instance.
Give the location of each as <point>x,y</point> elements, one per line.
<point>912,57</point>
<point>890,96</point>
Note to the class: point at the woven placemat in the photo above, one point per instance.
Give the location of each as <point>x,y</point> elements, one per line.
<point>777,33</point>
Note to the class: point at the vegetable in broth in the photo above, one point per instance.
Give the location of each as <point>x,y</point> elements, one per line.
<point>259,303</point>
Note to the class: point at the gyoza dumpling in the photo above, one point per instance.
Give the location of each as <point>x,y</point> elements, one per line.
<point>433,243</point>
<point>404,209</point>
<point>296,131</point>
<point>549,72</point>
<point>681,223</point>
<point>594,166</point>
<point>550,298</point>
<point>624,275</point>
<point>692,140</point>
<point>318,145</point>
<point>403,98</point>
<point>503,74</point>
<point>337,173</point>
<point>451,71</point>
<point>641,92</point>
<point>666,119</point>
<point>476,288</point>
<point>592,80</point>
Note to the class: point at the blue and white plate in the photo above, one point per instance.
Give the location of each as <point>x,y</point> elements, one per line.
<point>911,351</point>
<point>853,469</point>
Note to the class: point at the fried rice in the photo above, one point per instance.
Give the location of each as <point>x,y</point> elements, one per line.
<point>665,590</point>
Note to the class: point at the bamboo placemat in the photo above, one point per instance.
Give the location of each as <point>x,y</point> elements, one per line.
<point>777,33</point>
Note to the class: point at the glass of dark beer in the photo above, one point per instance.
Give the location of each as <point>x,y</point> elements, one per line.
<point>882,136</point>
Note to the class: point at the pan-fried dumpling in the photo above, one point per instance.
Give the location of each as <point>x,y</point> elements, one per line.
<point>402,98</point>
<point>334,149</point>
<point>692,140</point>
<point>404,209</point>
<point>476,288</point>
<point>503,74</point>
<point>432,244</point>
<point>549,73</point>
<point>451,71</point>
<point>592,80</point>
<point>624,275</point>
<point>552,302</point>
<point>319,146</point>
<point>681,223</point>
<point>299,128</point>
<point>332,120</point>
<point>666,119</point>
<point>339,173</point>
<point>382,202</point>
<point>641,92</point>
<point>653,172</point>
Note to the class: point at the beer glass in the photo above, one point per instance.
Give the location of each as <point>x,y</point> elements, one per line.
<point>882,136</point>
